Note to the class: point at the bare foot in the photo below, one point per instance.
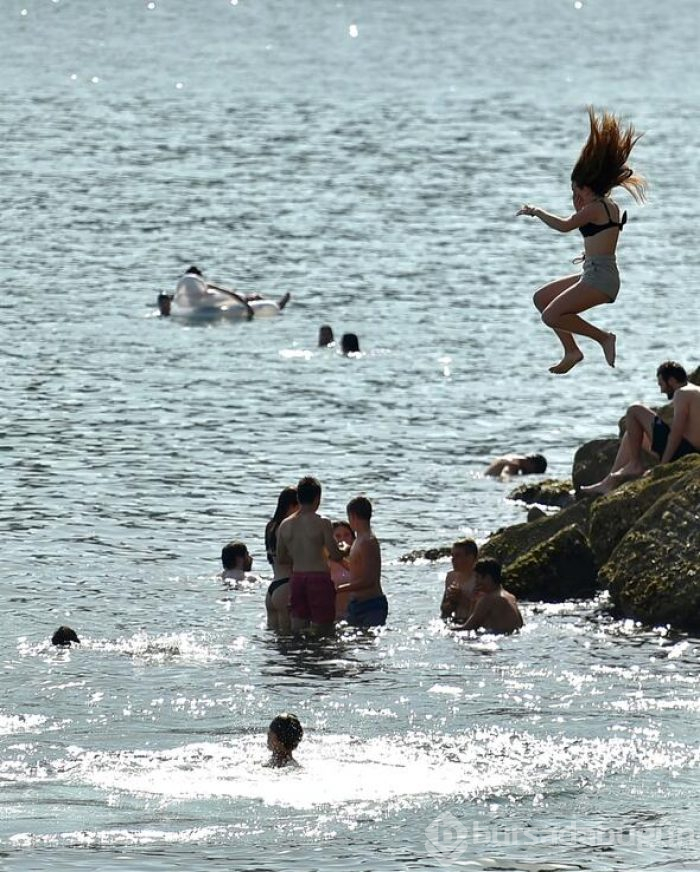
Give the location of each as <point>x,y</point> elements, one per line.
<point>609,348</point>
<point>568,361</point>
<point>600,487</point>
<point>631,470</point>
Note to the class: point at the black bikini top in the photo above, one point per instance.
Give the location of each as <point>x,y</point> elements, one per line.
<point>592,229</point>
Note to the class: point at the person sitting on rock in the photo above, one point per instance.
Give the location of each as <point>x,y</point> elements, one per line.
<point>644,428</point>
<point>236,562</point>
<point>496,610</point>
<point>459,597</point>
<point>517,464</point>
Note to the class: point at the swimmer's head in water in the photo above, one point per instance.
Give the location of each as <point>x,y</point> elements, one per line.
<point>308,491</point>
<point>287,730</point>
<point>343,532</point>
<point>350,343</point>
<point>64,636</point>
<point>325,335</point>
<point>194,271</point>
<point>164,303</point>
<point>235,556</point>
<point>533,463</point>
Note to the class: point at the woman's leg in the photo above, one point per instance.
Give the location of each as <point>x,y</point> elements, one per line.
<point>563,314</point>
<point>542,298</point>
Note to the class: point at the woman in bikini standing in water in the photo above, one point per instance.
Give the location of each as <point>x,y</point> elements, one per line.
<point>602,166</point>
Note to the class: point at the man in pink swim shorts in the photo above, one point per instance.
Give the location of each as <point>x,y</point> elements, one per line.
<point>305,540</point>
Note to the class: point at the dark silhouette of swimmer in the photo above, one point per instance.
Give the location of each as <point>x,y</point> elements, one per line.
<point>350,344</point>
<point>517,464</point>
<point>325,336</point>
<point>283,735</point>
<point>64,636</point>
<point>165,302</point>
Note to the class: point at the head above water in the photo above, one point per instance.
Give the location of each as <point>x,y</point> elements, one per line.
<point>670,376</point>
<point>464,554</point>
<point>287,730</point>
<point>325,336</point>
<point>532,464</point>
<point>349,343</point>
<point>602,164</point>
<point>359,508</point>
<point>343,532</point>
<point>164,303</point>
<point>488,570</point>
<point>309,491</point>
<point>64,636</point>
<point>194,271</point>
<point>235,556</point>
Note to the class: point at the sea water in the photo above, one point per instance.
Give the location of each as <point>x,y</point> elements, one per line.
<point>369,159</point>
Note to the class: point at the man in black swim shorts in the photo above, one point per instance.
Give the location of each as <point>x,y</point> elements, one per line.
<point>646,429</point>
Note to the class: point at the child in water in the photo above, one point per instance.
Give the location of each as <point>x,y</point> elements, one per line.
<point>283,735</point>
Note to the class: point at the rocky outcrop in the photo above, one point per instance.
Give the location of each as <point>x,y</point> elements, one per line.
<point>614,514</point>
<point>560,568</point>
<point>550,492</point>
<point>426,554</point>
<point>653,573</point>
<point>592,461</point>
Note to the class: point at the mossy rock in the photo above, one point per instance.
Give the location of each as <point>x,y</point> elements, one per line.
<point>513,542</point>
<point>612,515</point>
<point>558,569</point>
<point>593,461</point>
<point>653,575</point>
<point>550,492</point>
<point>426,554</point>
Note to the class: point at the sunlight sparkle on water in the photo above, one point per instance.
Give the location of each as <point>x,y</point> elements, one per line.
<point>578,4</point>
<point>353,30</point>
<point>24,12</point>
<point>179,86</point>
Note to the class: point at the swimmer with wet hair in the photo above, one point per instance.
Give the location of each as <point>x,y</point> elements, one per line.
<point>283,736</point>
<point>64,636</point>
<point>165,302</point>
<point>236,561</point>
<point>518,464</point>
<point>325,336</point>
<point>350,344</point>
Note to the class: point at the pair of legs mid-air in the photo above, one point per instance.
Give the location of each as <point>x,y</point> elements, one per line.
<point>561,303</point>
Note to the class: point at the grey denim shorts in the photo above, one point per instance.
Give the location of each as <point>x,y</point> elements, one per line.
<point>600,272</point>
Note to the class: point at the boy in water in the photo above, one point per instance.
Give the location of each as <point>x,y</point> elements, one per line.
<point>368,606</point>
<point>459,598</point>
<point>496,610</point>
<point>305,541</point>
<point>283,735</point>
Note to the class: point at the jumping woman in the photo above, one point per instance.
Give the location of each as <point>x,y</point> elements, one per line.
<point>602,166</point>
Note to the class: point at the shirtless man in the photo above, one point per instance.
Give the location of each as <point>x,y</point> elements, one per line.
<point>236,561</point>
<point>646,429</point>
<point>460,585</point>
<point>514,464</point>
<point>496,610</point>
<point>305,542</point>
<point>368,606</point>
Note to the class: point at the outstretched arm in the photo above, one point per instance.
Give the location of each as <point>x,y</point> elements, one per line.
<point>563,225</point>
<point>477,617</point>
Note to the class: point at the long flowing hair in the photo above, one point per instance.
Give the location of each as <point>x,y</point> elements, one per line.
<point>602,164</point>
<point>285,501</point>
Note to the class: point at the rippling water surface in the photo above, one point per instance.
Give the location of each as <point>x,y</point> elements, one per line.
<point>368,158</point>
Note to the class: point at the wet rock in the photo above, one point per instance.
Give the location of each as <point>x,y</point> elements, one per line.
<point>654,573</point>
<point>64,636</point>
<point>613,515</point>
<point>560,568</point>
<point>510,544</point>
<point>593,461</point>
<point>426,554</point>
<point>550,492</point>
<point>534,513</point>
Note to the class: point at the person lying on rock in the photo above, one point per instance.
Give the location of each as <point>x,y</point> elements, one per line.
<point>459,598</point>
<point>496,610</point>
<point>517,464</point>
<point>645,429</point>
